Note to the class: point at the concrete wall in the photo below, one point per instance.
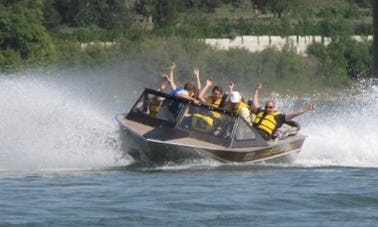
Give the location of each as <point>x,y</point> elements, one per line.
<point>258,43</point>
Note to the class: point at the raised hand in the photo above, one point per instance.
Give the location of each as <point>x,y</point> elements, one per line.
<point>258,86</point>
<point>172,66</point>
<point>209,82</point>
<point>196,71</point>
<point>311,106</point>
<point>166,77</point>
<point>231,85</point>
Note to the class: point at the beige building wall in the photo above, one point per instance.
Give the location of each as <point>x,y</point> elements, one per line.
<point>258,43</point>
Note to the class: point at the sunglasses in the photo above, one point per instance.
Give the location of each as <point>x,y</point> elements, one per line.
<point>269,107</point>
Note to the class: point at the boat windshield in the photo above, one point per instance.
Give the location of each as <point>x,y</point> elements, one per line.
<point>155,107</point>
<point>208,120</point>
<point>203,122</point>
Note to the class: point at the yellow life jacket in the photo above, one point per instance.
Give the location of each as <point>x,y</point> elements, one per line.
<point>192,94</point>
<point>240,106</point>
<point>202,123</point>
<point>266,123</point>
<point>215,103</point>
<point>154,106</point>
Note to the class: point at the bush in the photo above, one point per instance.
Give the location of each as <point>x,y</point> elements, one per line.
<point>272,67</point>
<point>10,60</point>
<point>75,54</point>
<point>343,59</point>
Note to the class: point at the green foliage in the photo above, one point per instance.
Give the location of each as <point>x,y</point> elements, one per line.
<point>52,18</point>
<point>26,28</point>
<point>335,28</point>
<point>209,6</point>
<point>204,18</point>
<point>109,15</point>
<point>364,3</point>
<point>76,54</point>
<point>69,53</point>
<point>84,34</point>
<point>22,35</point>
<point>347,10</point>
<point>164,12</point>
<point>343,59</point>
<point>272,67</point>
<point>10,60</point>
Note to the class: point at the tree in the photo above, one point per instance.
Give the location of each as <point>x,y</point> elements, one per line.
<point>279,7</point>
<point>166,12</point>
<point>52,17</point>
<point>209,5</point>
<point>22,35</point>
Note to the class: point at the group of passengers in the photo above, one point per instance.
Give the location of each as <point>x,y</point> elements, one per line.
<point>265,120</point>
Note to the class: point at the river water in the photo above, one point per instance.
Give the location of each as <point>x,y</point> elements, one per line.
<point>61,163</point>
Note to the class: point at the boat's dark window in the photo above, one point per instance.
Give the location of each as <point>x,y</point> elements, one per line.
<point>208,121</point>
<point>225,126</point>
<point>141,106</point>
<point>244,132</point>
<point>158,107</point>
<point>168,111</point>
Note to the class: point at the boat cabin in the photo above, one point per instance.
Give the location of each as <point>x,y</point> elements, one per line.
<point>181,118</point>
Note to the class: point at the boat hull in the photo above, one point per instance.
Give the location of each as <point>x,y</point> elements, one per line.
<point>144,149</point>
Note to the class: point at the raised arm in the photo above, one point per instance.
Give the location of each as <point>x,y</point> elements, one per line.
<point>202,93</point>
<point>164,83</point>
<point>231,85</point>
<point>196,72</point>
<point>309,107</point>
<point>255,97</point>
<point>171,78</point>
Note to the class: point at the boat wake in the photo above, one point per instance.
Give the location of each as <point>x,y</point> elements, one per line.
<point>43,128</point>
<point>342,132</point>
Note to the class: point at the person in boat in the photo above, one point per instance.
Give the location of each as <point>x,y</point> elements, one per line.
<point>238,106</point>
<point>171,109</point>
<point>188,92</point>
<point>191,89</point>
<point>268,120</point>
<point>223,103</point>
<point>216,94</point>
<point>207,121</point>
<point>155,102</point>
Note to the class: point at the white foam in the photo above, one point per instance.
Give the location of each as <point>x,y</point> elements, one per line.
<point>343,132</point>
<point>44,129</point>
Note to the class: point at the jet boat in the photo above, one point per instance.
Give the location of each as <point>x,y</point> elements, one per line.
<point>161,128</point>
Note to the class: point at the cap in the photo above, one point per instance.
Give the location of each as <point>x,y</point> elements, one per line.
<point>235,97</point>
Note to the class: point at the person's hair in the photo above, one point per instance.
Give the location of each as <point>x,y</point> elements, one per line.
<point>217,88</point>
<point>191,88</point>
<point>270,101</point>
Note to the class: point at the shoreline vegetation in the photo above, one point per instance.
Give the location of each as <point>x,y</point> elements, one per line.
<point>151,34</point>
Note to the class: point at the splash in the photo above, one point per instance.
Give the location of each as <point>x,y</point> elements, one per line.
<point>43,128</point>
<point>342,131</point>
